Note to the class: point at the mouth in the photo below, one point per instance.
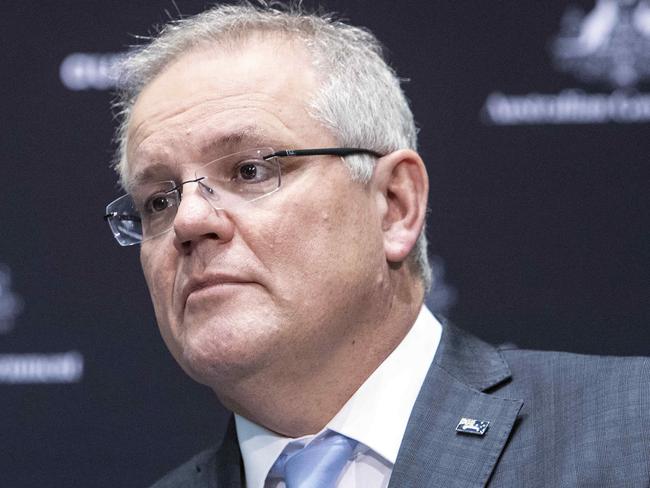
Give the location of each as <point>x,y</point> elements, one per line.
<point>197,288</point>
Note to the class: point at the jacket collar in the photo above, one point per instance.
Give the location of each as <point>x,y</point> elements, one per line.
<point>462,383</point>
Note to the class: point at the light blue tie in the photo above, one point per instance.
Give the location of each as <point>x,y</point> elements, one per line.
<point>317,465</point>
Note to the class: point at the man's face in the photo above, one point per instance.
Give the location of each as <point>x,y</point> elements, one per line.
<point>275,285</point>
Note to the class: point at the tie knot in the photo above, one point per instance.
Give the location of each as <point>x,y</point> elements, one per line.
<point>317,465</point>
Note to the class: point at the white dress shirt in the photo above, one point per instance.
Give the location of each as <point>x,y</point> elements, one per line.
<point>375,416</point>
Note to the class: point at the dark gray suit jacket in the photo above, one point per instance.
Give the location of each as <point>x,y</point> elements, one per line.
<point>556,420</point>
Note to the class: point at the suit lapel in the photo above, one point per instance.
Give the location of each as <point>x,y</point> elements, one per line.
<point>432,452</point>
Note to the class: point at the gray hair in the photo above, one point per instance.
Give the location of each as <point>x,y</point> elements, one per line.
<point>360,100</point>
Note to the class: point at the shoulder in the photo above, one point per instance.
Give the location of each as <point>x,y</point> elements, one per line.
<point>583,420</point>
<point>583,399</point>
<point>195,473</point>
<point>554,368</point>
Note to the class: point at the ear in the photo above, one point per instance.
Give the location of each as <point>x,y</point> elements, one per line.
<point>402,189</point>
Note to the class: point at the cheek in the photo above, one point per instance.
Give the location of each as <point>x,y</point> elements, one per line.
<point>159,272</point>
<point>159,275</point>
<point>318,239</point>
<point>296,234</point>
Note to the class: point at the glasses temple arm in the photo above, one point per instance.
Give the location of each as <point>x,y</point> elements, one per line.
<point>326,151</point>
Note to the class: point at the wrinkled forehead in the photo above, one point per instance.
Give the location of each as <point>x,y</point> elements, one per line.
<point>264,85</point>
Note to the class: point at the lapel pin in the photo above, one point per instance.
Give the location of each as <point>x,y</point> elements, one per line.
<point>471,426</point>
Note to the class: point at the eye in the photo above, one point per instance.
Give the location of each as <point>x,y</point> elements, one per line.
<point>158,203</point>
<point>253,171</point>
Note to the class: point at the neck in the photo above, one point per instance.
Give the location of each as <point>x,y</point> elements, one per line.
<point>302,400</point>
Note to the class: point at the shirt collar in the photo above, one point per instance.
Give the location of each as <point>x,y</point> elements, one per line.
<point>376,415</point>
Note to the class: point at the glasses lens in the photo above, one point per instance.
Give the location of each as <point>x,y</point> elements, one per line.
<point>146,212</point>
<point>124,221</point>
<point>240,177</point>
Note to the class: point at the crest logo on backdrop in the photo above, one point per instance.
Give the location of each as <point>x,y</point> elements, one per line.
<point>30,368</point>
<point>608,45</point>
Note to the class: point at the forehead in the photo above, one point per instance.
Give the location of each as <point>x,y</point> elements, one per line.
<point>258,92</point>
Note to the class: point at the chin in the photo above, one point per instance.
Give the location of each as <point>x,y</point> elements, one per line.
<point>224,352</point>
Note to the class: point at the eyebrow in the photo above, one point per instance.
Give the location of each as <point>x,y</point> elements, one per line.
<point>221,145</point>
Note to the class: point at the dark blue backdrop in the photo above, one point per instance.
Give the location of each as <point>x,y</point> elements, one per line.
<point>541,221</point>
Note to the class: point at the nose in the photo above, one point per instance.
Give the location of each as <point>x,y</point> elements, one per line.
<point>197,220</point>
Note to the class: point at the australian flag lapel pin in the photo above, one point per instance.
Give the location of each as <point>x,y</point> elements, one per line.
<point>472,426</point>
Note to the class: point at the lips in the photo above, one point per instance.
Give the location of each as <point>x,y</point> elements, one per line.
<point>200,283</point>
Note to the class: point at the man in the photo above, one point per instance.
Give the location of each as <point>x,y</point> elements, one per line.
<point>273,184</point>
